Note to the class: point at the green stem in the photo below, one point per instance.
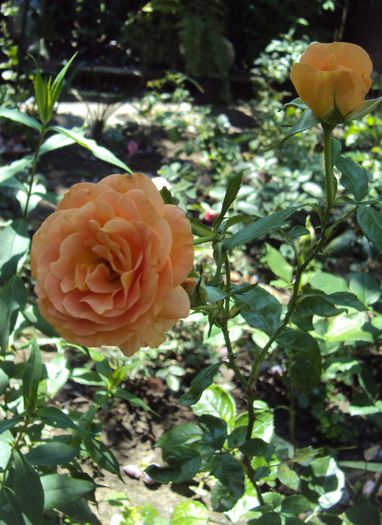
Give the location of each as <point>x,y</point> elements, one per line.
<point>225,330</point>
<point>330,186</point>
<point>206,238</point>
<point>330,197</point>
<point>292,412</point>
<point>231,355</point>
<point>34,169</point>
<point>251,476</point>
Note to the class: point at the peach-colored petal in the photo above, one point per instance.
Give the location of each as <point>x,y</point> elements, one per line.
<point>328,56</point>
<point>335,75</point>
<point>109,261</point>
<point>182,249</point>
<point>177,305</point>
<point>136,181</point>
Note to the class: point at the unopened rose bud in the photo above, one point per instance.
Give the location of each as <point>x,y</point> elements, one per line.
<point>189,285</point>
<point>333,76</point>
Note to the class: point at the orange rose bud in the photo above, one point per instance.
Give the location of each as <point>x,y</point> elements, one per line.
<point>109,264</point>
<point>332,76</point>
<point>189,285</point>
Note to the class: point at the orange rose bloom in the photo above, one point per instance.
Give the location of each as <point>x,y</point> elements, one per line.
<point>330,75</point>
<point>109,264</point>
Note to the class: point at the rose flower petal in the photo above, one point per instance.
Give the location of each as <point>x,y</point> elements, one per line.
<point>332,75</point>
<point>109,264</point>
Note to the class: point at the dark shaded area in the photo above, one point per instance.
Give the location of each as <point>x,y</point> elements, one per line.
<point>213,42</point>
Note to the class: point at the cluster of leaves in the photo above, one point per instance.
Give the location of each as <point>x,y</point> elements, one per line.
<point>303,481</point>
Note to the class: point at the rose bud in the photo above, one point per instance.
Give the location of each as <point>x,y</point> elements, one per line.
<point>331,77</point>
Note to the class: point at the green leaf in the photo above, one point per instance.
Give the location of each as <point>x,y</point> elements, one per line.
<point>80,512</point>
<point>370,222</point>
<point>180,442</point>
<point>13,297</point>
<point>166,196</point>
<point>132,399</point>
<point>105,371</point>
<point>60,489</point>
<point>200,229</point>
<point>59,80</point>
<point>348,328</point>
<point>190,513</point>
<point>314,304</point>
<point>6,447</point>
<point>294,505</point>
<point>10,512</point>
<point>55,417</point>
<point>230,474</point>
<point>33,374</point>
<point>269,518</point>
<point>17,166</point>
<point>263,427</point>
<point>307,121</point>
<point>98,151</point>
<point>322,304</point>
<point>84,376</point>
<point>215,294</point>
<point>222,499</point>
<point>328,283</point>
<point>363,513</point>
<point>346,299</point>
<point>215,401</point>
<point>278,264</point>
<point>354,178</point>
<point>368,383</point>
<point>51,454</point>
<point>367,107</point>
<point>102,455</point>
<point>254,447</point>
<point>288,477</point>
<point>200,382</point>
<point>7,424</point>
<point>264,424</point>
<point>259,228</point>
<point>176,473</point>
<point>21,118</point>
<point>145,514</point>
<point>237,437</point>
<point>55,142</point>
<point>28,489</point>
<point>305,358</point>
<point>215,431</point>
<point>14,242</point>
<point>42,95</point>
<point>328,481</point>
<point>233,188</point>
<point>367,466</point>
<point>365,287</point>
<point>336,150</point>
<point>297,103</point>
<point>260,309</point>
<point>366,410</point>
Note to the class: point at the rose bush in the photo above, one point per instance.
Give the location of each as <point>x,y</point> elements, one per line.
<point>109,264</point>
<point>332,75</point>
